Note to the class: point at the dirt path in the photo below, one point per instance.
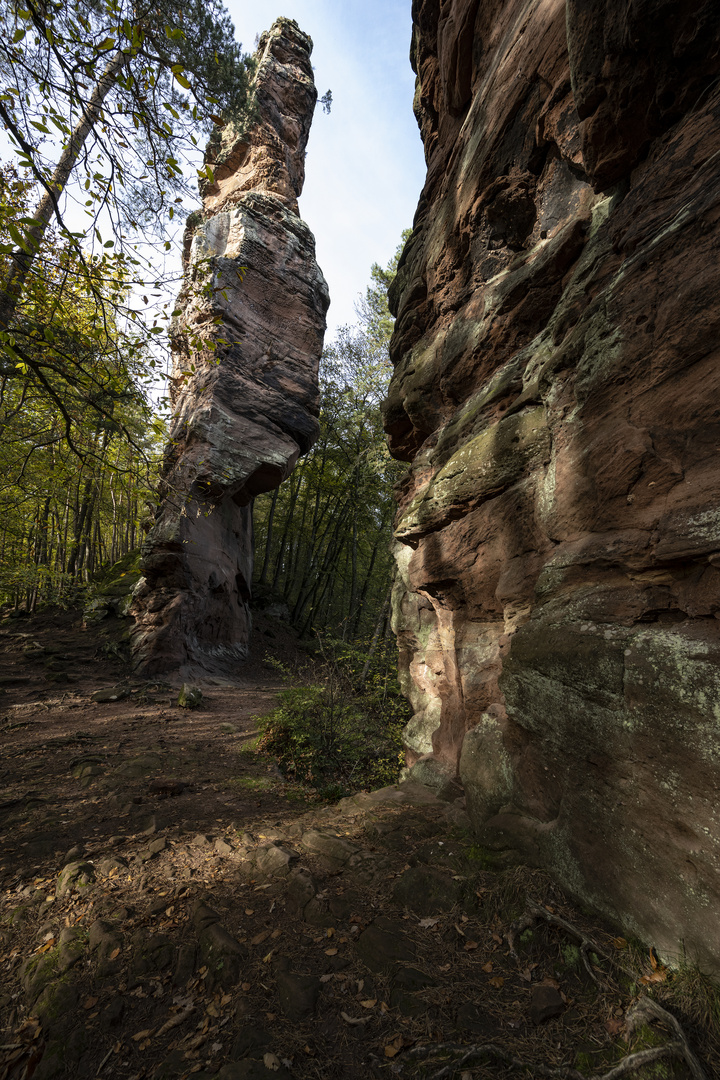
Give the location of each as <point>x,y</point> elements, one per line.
<point>168,911</point>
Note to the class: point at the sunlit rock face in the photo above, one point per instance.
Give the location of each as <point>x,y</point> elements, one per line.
<point>557,393</point>
<point>246,352</point>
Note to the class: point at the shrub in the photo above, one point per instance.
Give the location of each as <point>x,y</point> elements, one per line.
<point>333,736</point>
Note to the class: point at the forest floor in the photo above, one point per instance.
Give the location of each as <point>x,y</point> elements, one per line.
<point>170,908</point>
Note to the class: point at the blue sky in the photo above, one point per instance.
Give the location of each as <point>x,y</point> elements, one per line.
<point>365,165</point>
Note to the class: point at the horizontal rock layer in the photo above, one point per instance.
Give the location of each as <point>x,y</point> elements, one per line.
<point>557,391</point>
<point>246,350</point>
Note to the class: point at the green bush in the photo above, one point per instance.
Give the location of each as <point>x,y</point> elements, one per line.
<point>333,736</point>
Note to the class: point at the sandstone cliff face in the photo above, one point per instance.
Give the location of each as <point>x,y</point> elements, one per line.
<point>557,390</point>
<point>246,353</point>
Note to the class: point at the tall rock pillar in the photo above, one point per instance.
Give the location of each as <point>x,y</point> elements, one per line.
<point>246,350</point>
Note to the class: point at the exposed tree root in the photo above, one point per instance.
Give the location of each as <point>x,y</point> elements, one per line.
<point>471,1055</point>
<point>586,945</point>
<point>644,1011</point>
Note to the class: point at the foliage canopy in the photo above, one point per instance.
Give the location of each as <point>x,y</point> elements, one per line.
<point>102,102</point>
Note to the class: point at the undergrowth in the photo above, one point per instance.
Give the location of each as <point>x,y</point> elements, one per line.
<point>341,732</point>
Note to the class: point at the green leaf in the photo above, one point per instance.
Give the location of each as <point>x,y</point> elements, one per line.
<point>185,83</point>
<point>18,238</point>
<point>107,43</point>
<point>18,35</point>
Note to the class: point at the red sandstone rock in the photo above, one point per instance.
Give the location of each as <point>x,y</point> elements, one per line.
<point>557,391</point>
<point>246,353</point>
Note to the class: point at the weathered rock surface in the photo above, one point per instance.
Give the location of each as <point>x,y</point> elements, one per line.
<point>244,388</point>
<point>557,391</point>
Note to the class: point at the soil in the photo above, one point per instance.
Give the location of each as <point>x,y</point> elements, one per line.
<point>170,908</point>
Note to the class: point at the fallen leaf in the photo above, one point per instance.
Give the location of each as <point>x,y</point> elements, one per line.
<point>354,1019</point>
<point>429,923</point>
<point>326,978</point>
<point>216,1048</point>
<point>656,977</point>
<point>330,932</point>
<point>498,982</point>
<point>496,937</point>
<point>444,967</point>
<point>470,945</point>
<point>170,911</point>
<point>488,967</point>
<point>114,954</point>
<point>331,952</point>
<point>142,1035</point>
<point>177,1020</point>
<point>620,943</point>
<point>268,956</point>
<point>653,959</point>
<point>245,987</point>
<point>212,1010</point>
<point>526,975</point>
<point>391,1049</point>
<point>369,1003</point>
<point>90,1003</point>
<point>460,931</point>
<point>271,1062</point>
<point>614,1027</point>
<point>549,981</point>
<point>226,999</point>
<point>259,938</point>
<point>249,911</point>
<point>275,934</point>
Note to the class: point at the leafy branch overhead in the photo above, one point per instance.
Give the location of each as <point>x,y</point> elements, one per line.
<point>102,104</point>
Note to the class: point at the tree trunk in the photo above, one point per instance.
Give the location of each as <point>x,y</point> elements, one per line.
<point>379,627</point>
<point>22,261</point>
<point>268,539</point>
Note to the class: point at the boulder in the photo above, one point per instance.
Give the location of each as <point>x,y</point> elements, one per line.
<point>74,877</point>
<point>426,891</point>
<point>384,944</point>
<point>190,697</point>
